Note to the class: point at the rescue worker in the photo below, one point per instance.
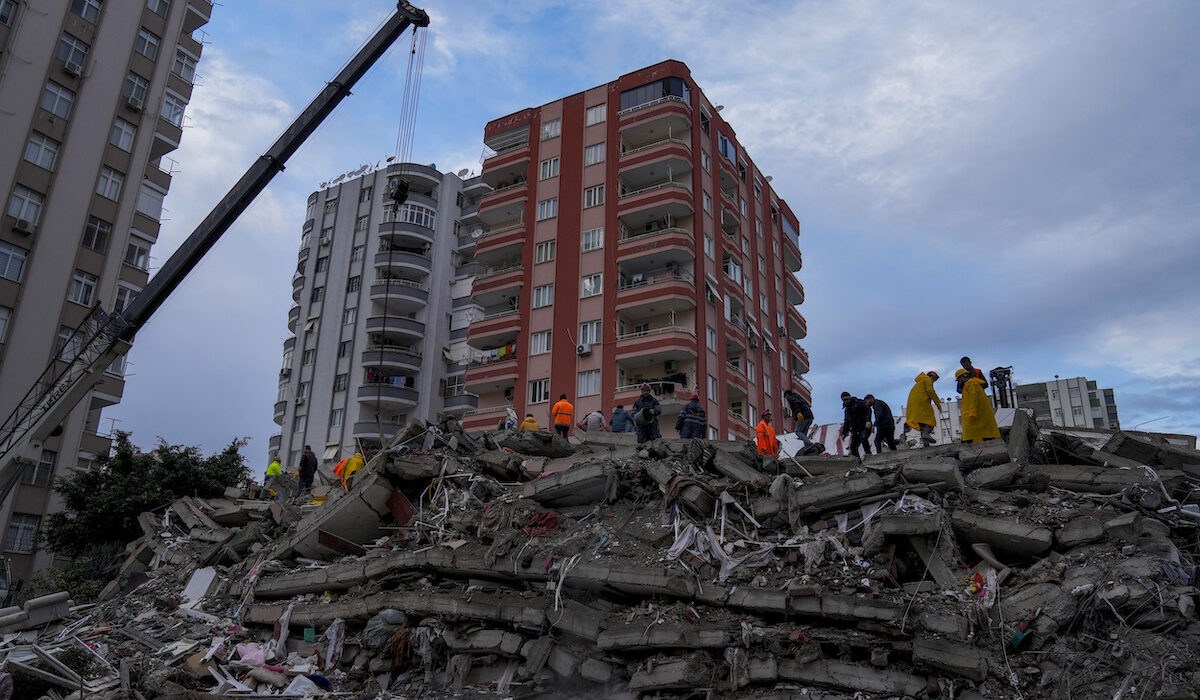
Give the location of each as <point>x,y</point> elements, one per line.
<point>274,470</point>
<point>350,467</point>
<point>530,423</point>
<point>921,400</point>
<point>692,420</point>
<point>885,423</point>
<point>621,421</point>
<point>646,411</point>
<point>308,469</point>
<point>802,413</point>
<point>978,418</point>
<point>856,422</point>
<point>765,440</point>
<point>977,373</point>
<point>594,422</point>
<point>563,414</point>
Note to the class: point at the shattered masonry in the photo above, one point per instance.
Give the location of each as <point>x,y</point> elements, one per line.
<point>524,565</point>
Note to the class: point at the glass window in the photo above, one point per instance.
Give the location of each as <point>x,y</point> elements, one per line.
<point>109,184</point>
<point>5,315</point>
<point>68,344</point>
<point>135,90</point>
<point>7,9</point>
<point>547,208</point>
<point>593,239</point>
<point>318,294</point>
<point>350,315</point>
<point>710,337</point>
<point>592,285</point>
<point>344,348</point>
<point>146,44</point>
<point>539,343</point>
<point>594,115</point>
<point>126,295</point>
<point>41,150</point>
<point>57,100</point>
<point>308,357</point>
<point>539,390</point>
<point>331,205</point>
<point>87,9</point>
<point>71,51</point>
<point>12,261</point>
<point>341,382</point>
<point>707,203</point>
<point>353,284</point>
<point>705,161</point>
<point>593,196</point>
<point>172,108</point>
<point>322,264</point>
<point>543,296</point>
<point>548,168</point>
<point>709,246</point>
<point>335,417</point>
<point>360,224</point>
<point>712,386</point>
<point>543,252</point>
<point>415,214</point>
<point>25,204</point>
<point>357,252</point>
<point>589,382</point>
<point>725,147</point>
<point>137,254</point>
<point>593,154</point>
<point>158,7</point>
<point>150,201</point>
<point>122,134</point>
<point>653,92</point>
<point>589,333</point>
<point>299,423</point>
<point>22,530</point>
<point>364,195</point>
<point>551,129</point>
<point>82,289</point>
<point>184,66</point>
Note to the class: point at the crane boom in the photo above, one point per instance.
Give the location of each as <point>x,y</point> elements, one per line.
<point>104,337</point>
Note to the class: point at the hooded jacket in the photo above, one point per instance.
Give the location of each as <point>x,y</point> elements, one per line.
<point>765,439</point>
<point>530,423</point>
<point>921,400</point>
<point>692,420</point>
<point>978,418</point>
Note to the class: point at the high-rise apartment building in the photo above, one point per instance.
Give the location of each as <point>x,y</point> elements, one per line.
<point>376,289</point>
<point>92,99</point>
<point>1070,403</point>
<point>629,239</point>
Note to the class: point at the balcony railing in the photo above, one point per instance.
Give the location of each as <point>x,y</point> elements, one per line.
<point>628,234</point>
<point>642,190</point>
<point>501,190</point>
<point>657,331</point>
<point>652,144</point>
<point>500,269</point>
<point>499,314</point>
<point>647,278</point>
<point>401,282</point>
<point>505,149</point>
<point>502,229</point>
<point>738,417</point>
<point>651,103</point>
<point>492,356</point>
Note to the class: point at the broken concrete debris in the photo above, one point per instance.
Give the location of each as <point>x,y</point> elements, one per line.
<point>527,565</point>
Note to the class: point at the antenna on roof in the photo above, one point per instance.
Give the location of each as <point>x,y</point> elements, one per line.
<point>463,172</point>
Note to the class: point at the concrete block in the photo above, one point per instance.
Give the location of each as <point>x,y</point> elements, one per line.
<point>1152,451</point>
<point>665,675</point>
<point>832,492</point>
<point>819,465</point>
<point>199,585</point>
<point>1105,480</point>
<point>763,669</point>
<point>950,656</point>
<point>983,454</point>
<point>666,636</point>
<point>487,641</point>
<point>580,485</point>
<point>355,517</point>
<point>893,524</point>
<point>596,670</point>
<point>1022,435</point>
<point>943,624</point>
<point>732,466</point>
<point>47,608</point>
<point>1058,607</point>
<point>1002,533</point>
<point>1133,527</point>
<point>932,471</point>
<point>828,673</point>
<point>1079,531</point>
<point>994,477</point>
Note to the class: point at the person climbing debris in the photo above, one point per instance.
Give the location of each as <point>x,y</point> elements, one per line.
<point>856,422</point>
<point>646,411</point>
<point>802,413</point>
<point>621,421</point>
<point>978,418</point>
<point>921,400</point>
<point>594,422</point>
<point>274,472</point>
<point>764,435</point>
<point>564,416</point>
<point>693,420</point>
<point>885,423</point>
<point>308,469</point>
<point>530,423</point>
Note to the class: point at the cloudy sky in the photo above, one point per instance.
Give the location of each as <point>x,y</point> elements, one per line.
<point>1014,181</point>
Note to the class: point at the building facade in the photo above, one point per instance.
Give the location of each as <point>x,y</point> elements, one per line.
<point>92,99</point>
<point>1070,403</point>
<point>375,291</point>
<point>629,238</point>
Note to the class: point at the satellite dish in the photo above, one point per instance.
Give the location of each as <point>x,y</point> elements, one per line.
<point>463,172</point>
<point>719,107</point>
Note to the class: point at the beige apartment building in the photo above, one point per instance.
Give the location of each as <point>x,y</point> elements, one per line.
<point>92,100</point>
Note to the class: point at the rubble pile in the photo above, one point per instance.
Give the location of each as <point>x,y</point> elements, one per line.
<point>526,565</point>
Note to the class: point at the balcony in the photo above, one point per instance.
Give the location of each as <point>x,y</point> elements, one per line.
<point>795,290</point>
<point>425,177</point>
<point>658,344</point>
<point>647,126</point>
<point>406,234</point>
<point>507,167</point>
<point>495,329</point>
<point>497,375</point>
<point>793,260</point>
<point>297,286</point>
<point>661,245</point>
<point>506,146</point>
<point>293,318</point>
<point>658,201</point>
<point>641,294</point>
<point>388,394</point>
<point>280,409</point>
<point>405,358</point>
<point>397,326</point>
<point>504,204</point>
<point>797,327</point>
<point>93,444</point>
<point>368,431</point>
<point>800,363</point>
<point>501,242</point>
<point>664,149</point>
<point>275,441</point>
<point>461,402</point>
<point>404,261</point>
<point>400,295</point>
<point>656,110</point>
<point>485,418</point>
<point>671,397</point>
<point>302,256</point>
<point>735,380</point>
<point>498,278</point>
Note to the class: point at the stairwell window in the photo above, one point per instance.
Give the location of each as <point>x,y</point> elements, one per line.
<point>357,252</point>
<point>341,382</point>
<point>543,252</point>
<point>707,203</point>
<point>345,349</point>
<point>361,223</point>
<point>593,154</point>
<point>25,204</point>
<point>299,423</point>
<point>71,50</point>
<point>547,209</point>
<point>172,108</point>
<point>548,168</point>
<point>122,134</point>
<point>308,357</point>
<point>593,196</point>
<point>83,288</point>
<point>539,343</point>
<point>12,261</point>
<point>184,66</point>
<point>109,183</point>
<point>353,284</point>
<point>42,151</point>
<point>710,337</point>
<point>364,195</point>
<point>87,9</point>
<point>146,44</point>
<point>551,129</point>
<point>135,88</point>
<point>335,417</point>
<point>594,115</point>
<point>57,100</point>
<point>318,295</point>
<point>705,161</point>
<point>593,239</point>
<point>350,315</point>
<point>137,254</point>
<point>592,285</point>
<point>543,296</point>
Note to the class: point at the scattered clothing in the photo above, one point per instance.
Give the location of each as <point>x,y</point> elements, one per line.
<point>542,524</point>
<point>692,421</point>
<point>978,418</point>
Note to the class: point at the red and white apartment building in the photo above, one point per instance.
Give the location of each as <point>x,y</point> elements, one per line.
<point>629,239</point>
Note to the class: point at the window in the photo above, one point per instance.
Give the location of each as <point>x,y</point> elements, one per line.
<point>758,187</point>
<point>762,302</point>
<point>589,333</point>
<point>299,423</point>
<point>653,92</point>
<point>1074,392</point>
<point>87,9</point>
<point>364,194</point>
<point>1077,411</point>
<point>353,284</point>
<point>705,161</point>
<point>311,212</point>
<point>745,245</point>
<point>539,343</point>
<point>412,214</point>
<point>712,386</point>
<point>172,108</point>
<point>68,344</point>
<point>121,135</point>
<point>548,168</point>
<point>589,382</point>
<point>135,89</point>
<point>22,527</point>
<point>707,203</point>
<point>360,224</point>
<point>705,120</point>
<point>547,208</point>
<point>551,129</point>
<point>1054,394</point>
<point>356,253</point>
<point>709,246</point>
<point>742,205</point>
<point>335,417</point>
<point>326,235</point>
<point>184,66</point>
<point>593,239</point>
<point>543,252</point>
<point>146,44</point>
<point>57,100</point>
<point>25,204</point>
<point>6,11</point>
<point>12,261</point>
<point>593,154</point>
<point>1058,413</point>
<point>322,264</point>
<point>726,148</point>
<point>308,357</point>
<point>591,285</point>
<point>350,315</point>
<point>150,201</point>
<point>5,315</point>
<point>341,382</point>
<point>82,289</point>
<point>318,295</point>
<point>137,253</point>
<point>710,337</point>
<point>732,268</point>
<point>126,295</point>
<point>539,390</point>
<point>594,115</point>
<point>109,184</point>
<point>593,196</point>
<point>767,384</point>
<point>158,7</point>
<point>344,349</point>
<point>71,50</point>
<point>543,296</point>
<point>331,205</point>
<point>41,150</point>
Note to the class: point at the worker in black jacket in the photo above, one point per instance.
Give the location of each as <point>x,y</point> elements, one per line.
<point>971,372</point>
<point>802,413</point>
<point>692,421</point>
<point>885,424</point>
<point>856,423</point>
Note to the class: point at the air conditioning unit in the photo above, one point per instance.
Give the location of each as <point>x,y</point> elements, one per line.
<point>299,400</point>
<point>583,349</point>
<point>671,366</point>
<point>23,226</point>
<point>72,68</point>
<point>133,102</point>
<point>324,240</point>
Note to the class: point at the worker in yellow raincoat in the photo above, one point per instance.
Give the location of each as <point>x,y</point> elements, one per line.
<point>919,412</point>
<point>352,466</point>
<point>978,418</point>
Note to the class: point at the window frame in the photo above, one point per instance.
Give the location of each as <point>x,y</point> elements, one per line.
<point>551,129</point>
<point>26,200</point>
<point>544,252</point>
<point>591,332</point>
<point>184,66</point>
<point>596,114</point>
<point>156,5</point>
<point>173,108</point>
<point>25,539</point>
<point>597,234</point>
<point>12,256</point>
<point>594,154</point>
<point>44,145</point>
<point>595,282</point>
<point>539,390</point>
<point>147,43</point>
<point>546,291</point>
<point>588,382</point>
<point>58,96</point>
<point>593,196</point>
<point>109,183</point>
<point>547,209</point>
<point>548,168</point>
<point>85,7</point>
<point>540,342</point>
<point>71,49</point>
<point>82,289</point>
<point>118,134</point>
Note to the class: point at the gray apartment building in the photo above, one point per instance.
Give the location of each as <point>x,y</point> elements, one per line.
<point>1070,403</point>
<point>382,301</point>
<point>92,101</point>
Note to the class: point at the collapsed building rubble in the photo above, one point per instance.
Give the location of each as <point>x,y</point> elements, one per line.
<point>526,565</point>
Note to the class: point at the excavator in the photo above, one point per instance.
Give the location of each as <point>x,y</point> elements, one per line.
<point>103,337</point>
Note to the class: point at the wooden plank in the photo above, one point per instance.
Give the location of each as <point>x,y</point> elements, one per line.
<point>937,568</point>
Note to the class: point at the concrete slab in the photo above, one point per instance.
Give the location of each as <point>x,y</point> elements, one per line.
<point>995,477</point>
<point>1079,531</point>
<point>1004,534</point>
<point>580,485</point>
<point>356,517</point>
<point>951,656</point>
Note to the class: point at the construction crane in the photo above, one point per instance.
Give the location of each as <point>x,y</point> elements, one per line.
<point>104,337</point>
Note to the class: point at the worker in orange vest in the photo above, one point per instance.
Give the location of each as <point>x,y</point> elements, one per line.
<point>564,416</point>
<point>767,444</point>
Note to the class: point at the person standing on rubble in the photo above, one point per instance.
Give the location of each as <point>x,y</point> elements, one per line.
<point>308,469</point>
<point>594,422</point>
<point>274,470</point>
<point>978,418</point>
<point>971,371</point>
<point>764,434</point>
<point>692,420</point>
<point>856,423</point>
<point>564,416</point>
<point>510,419</point>
<point>885,423</point>
<point>621,421</point>
<point>646,411</point>
<point>921,400</point>
<point>530,424</point>
<point>350,468</point>
<point>802,413</point>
